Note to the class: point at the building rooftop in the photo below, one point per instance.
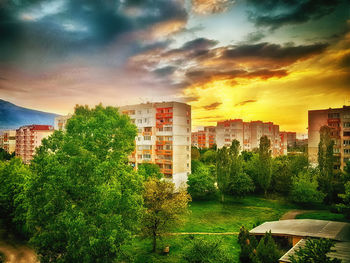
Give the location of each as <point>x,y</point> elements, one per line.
<point>338,231</point>
<point>341,251</point>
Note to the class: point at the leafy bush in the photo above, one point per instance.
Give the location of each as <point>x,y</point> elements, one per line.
<point>304,189</point>
<point>201,184</point>
<point>206,251</point>
<point>267,250</point>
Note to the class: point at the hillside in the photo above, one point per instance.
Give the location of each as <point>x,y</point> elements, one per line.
<point>13,116</point>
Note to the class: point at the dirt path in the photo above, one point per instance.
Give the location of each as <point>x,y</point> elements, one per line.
<point>293,213</point>
<point>17,253</point>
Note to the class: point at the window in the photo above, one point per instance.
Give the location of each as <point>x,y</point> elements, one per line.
<point>147,147</point>
<point>333,115</point>
<point>139,121</point>
<point>139,156</point>
<point>168,128</point>
<point>188,139</point>
<point>139,130</point>
<point>346,151</point>
<point>188,121</point>
<point>346,133</point>
<point>146,156</point>
<point>145,120</point>
<point>139,147</point>
<point>187,148</point>
<point>188,129</point>
<point>188,165</point>
<point>139,139</point>
<point>147,138</point>
<point>139,112</point>
<point>346,124</point>
<point>346,142</point>
<point>336,150</point>
<point>168,147</point>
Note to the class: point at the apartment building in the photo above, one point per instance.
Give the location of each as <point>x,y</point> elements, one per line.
<point>8,140</point>
<point>291,138</point>
<point>205,138</point>
<point>28,138</point>
<point>338,119</point>
<point>61,122</point>
<point>248,134</point>
<point>163,138</point>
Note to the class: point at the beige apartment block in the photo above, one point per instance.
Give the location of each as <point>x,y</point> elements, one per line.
<point>339,120</point>
<point>28,138</point>
<point>205,138</point>
<point>8,140</point>
<point>163,138</point>
<point>61,122</point>
<point>248,134</point>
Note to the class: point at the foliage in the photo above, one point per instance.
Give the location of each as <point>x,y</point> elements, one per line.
<point>247,156</point>
<point>13,175</point>
<point>251,167</point>
<point>84,200</point>
<point>345,206</point>
<point>164,208</point>
<point>281,176</point>
<point>195,154</point>
<point>267,250</point>
<point>325,152</point>
<point>206,251</point>
<point>201,184</point>
<point>149,170</point>
<point>209,157</point>
<point>314,251</point>
<point>304,189</point>
<point>223,171</point>
<point>264,172</point>
<point>4,155</point>
<point>298,163</point>
<point>248,244</point>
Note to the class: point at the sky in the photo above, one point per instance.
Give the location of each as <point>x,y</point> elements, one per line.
<point>270,60</point>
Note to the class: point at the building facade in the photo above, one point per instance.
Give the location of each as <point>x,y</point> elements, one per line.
<point>8,140</point>
<point>163,138</point>
<point>28,138</point>
<point>338,120</point>
<point>291,138</point>
<point>61,122</point>
<point>248,134</point>
<point>205,138</point>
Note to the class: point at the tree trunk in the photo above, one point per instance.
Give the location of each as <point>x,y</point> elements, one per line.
<point>154,243</point>
<point>222,198</point>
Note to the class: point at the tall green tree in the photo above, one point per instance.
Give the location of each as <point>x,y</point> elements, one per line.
<point>84,200</point>
<point>164,208</point>
<point>149,170</point>
<point>267,250</point>
<point>264,172</point>
<point>281,175</point>
<point>223,171</point>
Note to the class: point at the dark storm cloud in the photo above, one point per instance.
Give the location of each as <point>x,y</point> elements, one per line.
<point>274,51</point>
<point>276,13</point>
<point>76,25</point>
<point>212,106</point>
<point>196,47</point>
<point>254,37</point>
<point>204,75</point>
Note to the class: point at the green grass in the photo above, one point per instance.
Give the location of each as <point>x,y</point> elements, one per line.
<point>141,249</point>
<point>213,216</point>
<point>323,215</point>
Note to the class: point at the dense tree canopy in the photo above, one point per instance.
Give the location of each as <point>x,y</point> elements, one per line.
<point>264,172</point>
<point>84,200</point>
<point>164,208</point>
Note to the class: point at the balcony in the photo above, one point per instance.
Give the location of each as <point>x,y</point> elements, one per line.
<point>166,171</point>
<point>164,152</point>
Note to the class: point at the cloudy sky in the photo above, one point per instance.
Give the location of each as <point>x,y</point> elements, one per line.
<point>268,60</point>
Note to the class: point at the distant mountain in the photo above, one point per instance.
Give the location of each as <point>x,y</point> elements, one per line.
<point>13,116</point>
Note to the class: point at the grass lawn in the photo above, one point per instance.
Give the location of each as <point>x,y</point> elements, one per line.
<point>323,215</point>
<point>212,216</point>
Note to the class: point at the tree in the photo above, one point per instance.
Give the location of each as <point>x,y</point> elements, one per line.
<point>264,172</point>
<point>4,155</point>
<point>304,189</point>
<point>164,208</point>
<point>248,246</point>
<point>195,154</point>
<point>314,251</point>
<point>281,175</point>
<point>209,157</point>
<point>206,251</point>
<point>149,170</point>
<point>201,184</point>
<point>267,250</point>
<point>84,200</point>
<point>223,171</point>
<point>345,206</point>
<point>13,174</point>
<point>325,152</point>
<point>298,163</point>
